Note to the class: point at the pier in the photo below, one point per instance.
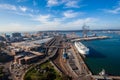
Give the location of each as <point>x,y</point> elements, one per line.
<point>89,38</point>
<point>86,74</point>
<point>98,77</point>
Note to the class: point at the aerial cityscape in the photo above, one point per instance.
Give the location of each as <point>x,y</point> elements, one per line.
<point>59,39</point>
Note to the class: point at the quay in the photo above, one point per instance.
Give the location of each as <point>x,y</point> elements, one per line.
<point>89,38</point>
<point>86,74</point>
<point>98,77</point>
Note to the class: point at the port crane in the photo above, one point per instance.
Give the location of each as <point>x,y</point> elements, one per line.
<point>85,29</point>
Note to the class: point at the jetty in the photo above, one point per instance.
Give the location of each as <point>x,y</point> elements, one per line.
<point>108,77</point>
<point>89,38</point>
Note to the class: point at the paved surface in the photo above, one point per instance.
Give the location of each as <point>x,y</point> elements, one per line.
<point>85,74</point>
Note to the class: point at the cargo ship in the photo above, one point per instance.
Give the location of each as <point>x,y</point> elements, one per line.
<point>81,48</point>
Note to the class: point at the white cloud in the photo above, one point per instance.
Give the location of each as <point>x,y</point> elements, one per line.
<point>13,7</point>
<point>21,0</point>
<point>71,14</point>
<point>23,9</point>
<point>23,14</point>
<point>46,23</point>
<point>52,3</point>
<point>73,4</point>
<point>49,26</point>
<point>42,18</point>
<point>14,27</point>
<point>113,11</point>
<point>8,7</point>
<point>65,3</point>
<point>19,10</point>
<point>77,24</point>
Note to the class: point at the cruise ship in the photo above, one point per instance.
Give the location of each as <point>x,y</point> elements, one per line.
<point>81,48</point>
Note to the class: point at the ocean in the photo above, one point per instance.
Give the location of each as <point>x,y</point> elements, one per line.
<point>104,54</point>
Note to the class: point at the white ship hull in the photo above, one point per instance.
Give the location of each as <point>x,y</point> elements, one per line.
<point>81,48</point>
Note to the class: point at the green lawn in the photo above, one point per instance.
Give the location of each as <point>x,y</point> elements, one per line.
<point>43,72</point>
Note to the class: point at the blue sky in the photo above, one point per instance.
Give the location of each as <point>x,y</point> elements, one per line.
<point>36,15</point>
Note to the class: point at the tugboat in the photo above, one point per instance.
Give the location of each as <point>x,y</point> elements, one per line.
<point>102,73</point>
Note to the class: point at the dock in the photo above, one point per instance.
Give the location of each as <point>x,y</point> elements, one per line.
<point>98,77</point>
<point>89,38</point>
<point>86,73</point>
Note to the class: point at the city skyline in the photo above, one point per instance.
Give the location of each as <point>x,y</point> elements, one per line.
<point>38,15</point>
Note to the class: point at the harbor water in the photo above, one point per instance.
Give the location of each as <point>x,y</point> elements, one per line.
<point>104,54</point>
